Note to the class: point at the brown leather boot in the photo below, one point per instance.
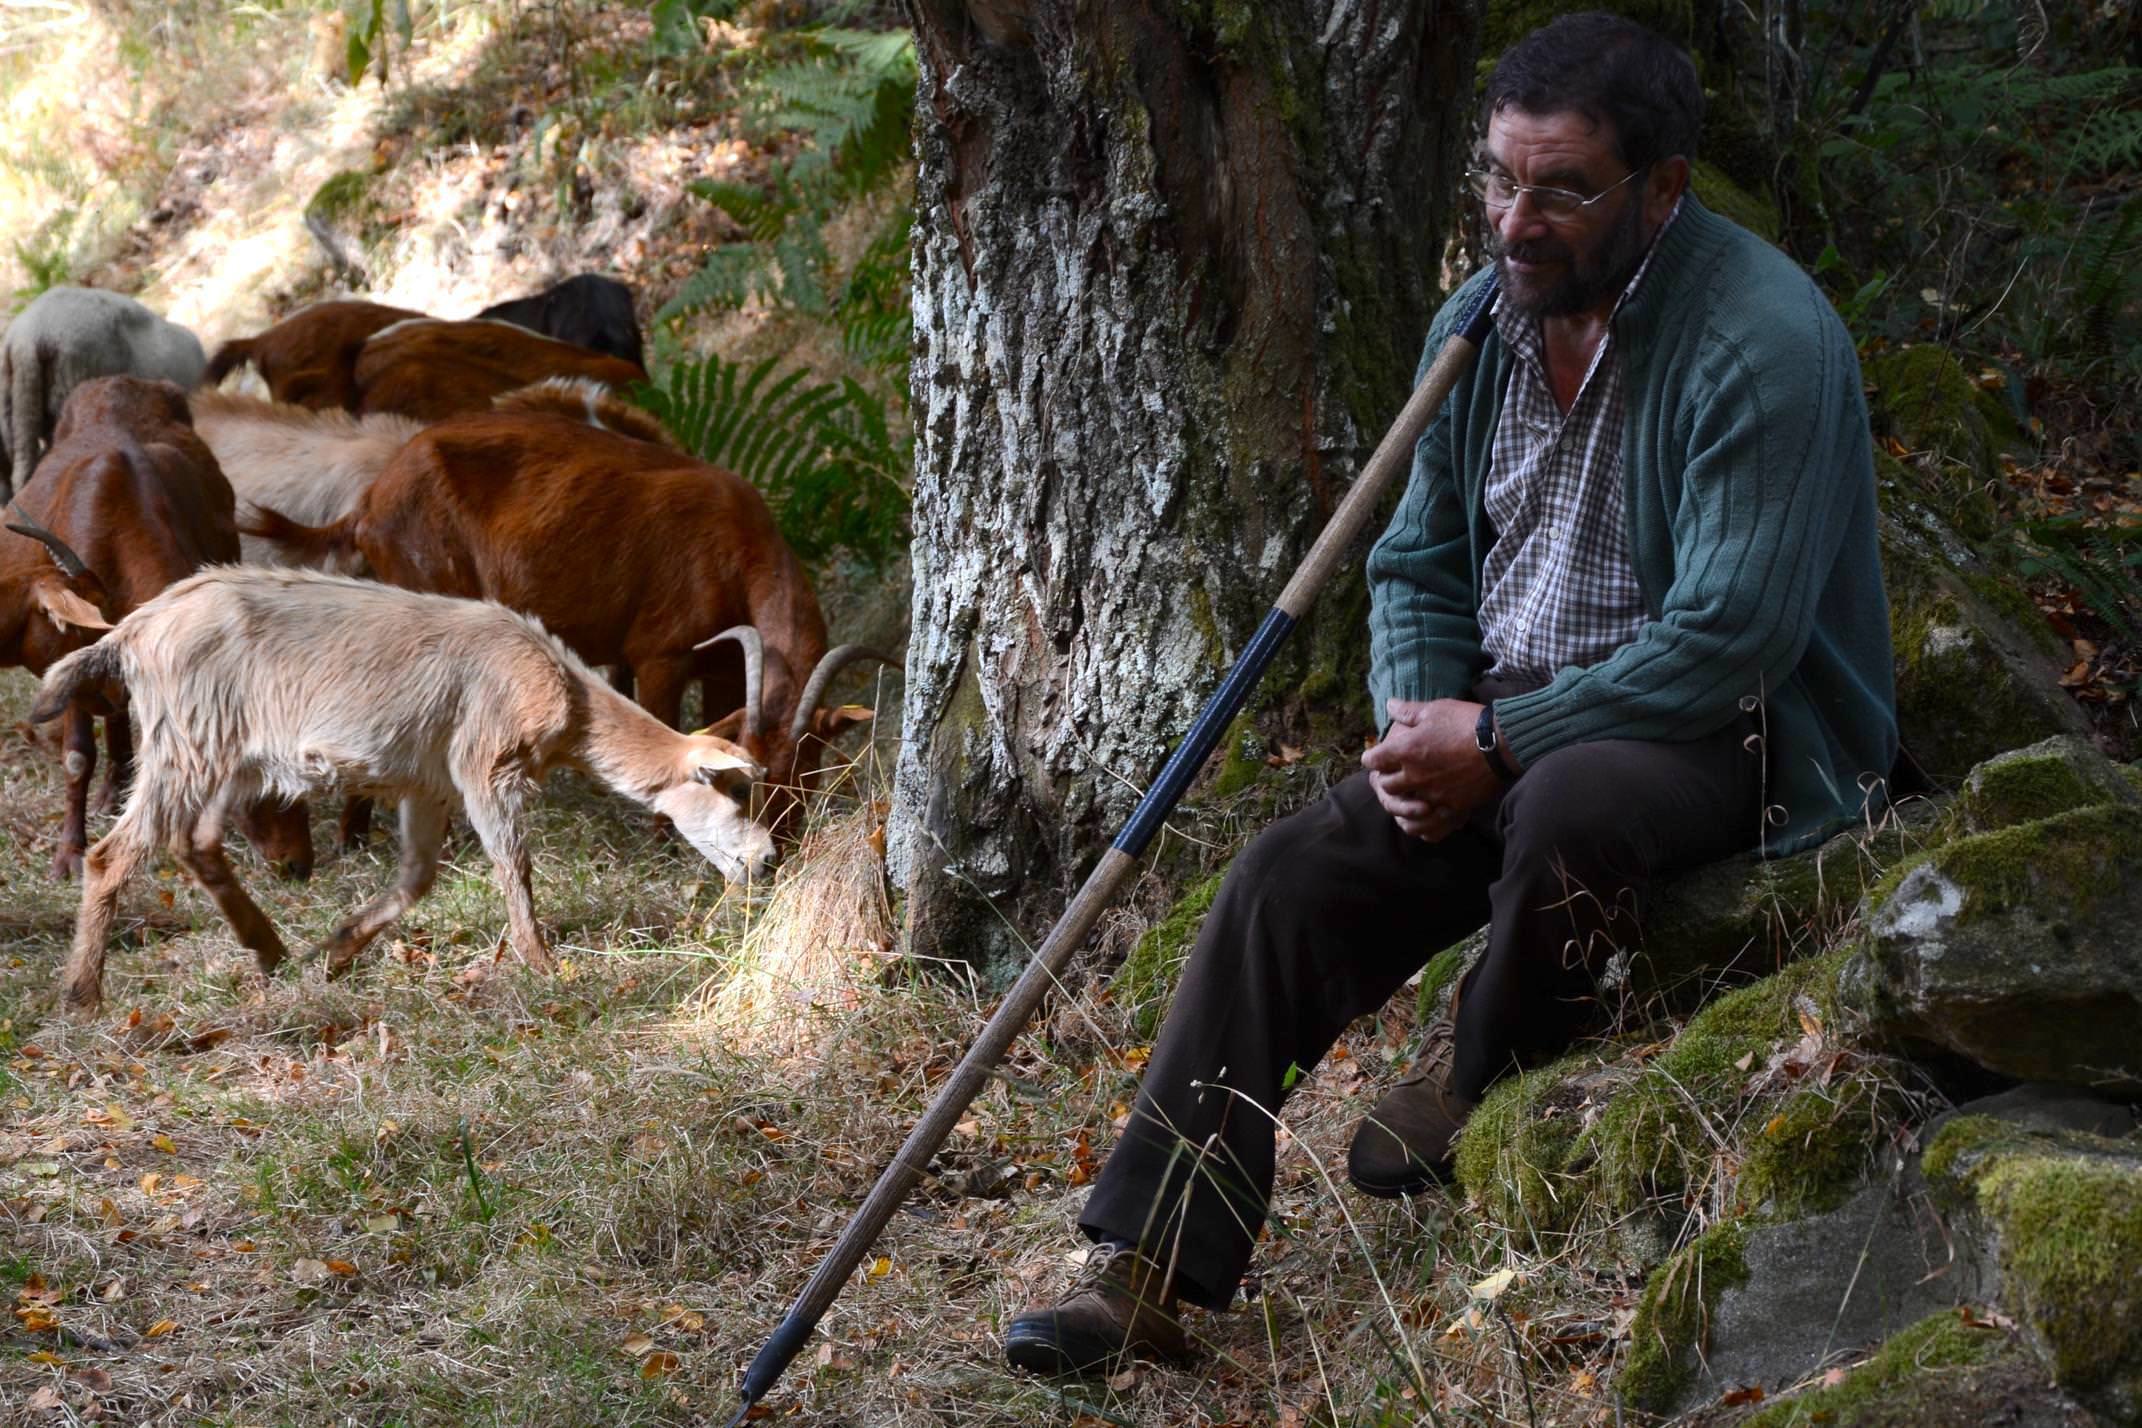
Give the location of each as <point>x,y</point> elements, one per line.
<point>1119,1307</point>
<point>1403,1146</point>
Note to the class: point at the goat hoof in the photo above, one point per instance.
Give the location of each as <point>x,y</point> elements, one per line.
<point>67,867</point>
<point>82,1002</point>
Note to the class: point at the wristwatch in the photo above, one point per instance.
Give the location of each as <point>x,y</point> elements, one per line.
<point>1484,737</point>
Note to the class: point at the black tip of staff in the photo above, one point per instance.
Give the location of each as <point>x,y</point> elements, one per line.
<point>743,1411</point>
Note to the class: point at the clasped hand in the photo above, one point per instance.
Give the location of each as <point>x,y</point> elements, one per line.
<point>1427,771</point>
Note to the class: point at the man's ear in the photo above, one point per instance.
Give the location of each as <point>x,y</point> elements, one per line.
<point>66,608</point>
<point>830,724</point>
<point>1668,181</point>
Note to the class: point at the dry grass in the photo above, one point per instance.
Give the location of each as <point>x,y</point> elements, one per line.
<point>448,1191</point>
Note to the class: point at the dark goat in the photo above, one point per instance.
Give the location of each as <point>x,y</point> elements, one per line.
<point>588,311</point>
<point>309,359</point>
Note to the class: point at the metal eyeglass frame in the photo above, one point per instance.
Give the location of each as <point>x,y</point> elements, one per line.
<point>1544,198</point>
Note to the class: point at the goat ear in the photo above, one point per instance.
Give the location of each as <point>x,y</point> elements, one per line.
<point>710,764</point>
<point>830,724</point>
<point>66,608</point>
<point>729,727</point>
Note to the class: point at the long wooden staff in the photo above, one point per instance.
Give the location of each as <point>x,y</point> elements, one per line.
<point>1393,455</point>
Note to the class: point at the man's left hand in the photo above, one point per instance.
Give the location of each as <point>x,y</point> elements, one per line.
<point>1427,771</point>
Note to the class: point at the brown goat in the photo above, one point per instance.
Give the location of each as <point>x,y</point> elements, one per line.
<point>628,551</point>
<point>127,501</point>
<point>431,370</point>
<point>309,359</point>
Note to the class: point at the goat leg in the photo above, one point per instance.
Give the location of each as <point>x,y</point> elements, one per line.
<point>104,872</point>
<point>119,759</point>
<point>423,836</point>
<point>201,853</point>
<point>78,755</point>
<point>495,815</point>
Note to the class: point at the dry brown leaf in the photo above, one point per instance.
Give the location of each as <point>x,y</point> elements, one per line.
<point>342,1267</point>
<point>659,1364</point>
<point>638,1346</point>
<point>46,1400</point>
<point>161,1327</point>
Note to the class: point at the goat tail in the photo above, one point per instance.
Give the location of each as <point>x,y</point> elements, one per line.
<point>328,547</point>
<point>228,359</point>
<point>93,670</point>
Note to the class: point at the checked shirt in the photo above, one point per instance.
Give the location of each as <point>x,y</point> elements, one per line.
<point>1559,587</point>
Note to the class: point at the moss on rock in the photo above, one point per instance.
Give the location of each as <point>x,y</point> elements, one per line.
<point>1674,1315</point>
<point>1723,196</point>
<point>2064,1211</point>
<point>1926,402</point>
<point>2053,776</point>
<point>1147,978</point>
<point>1514,1158</point>
<point>2067,863</point>
<point>1815,1149</point>
<point>1971,681</point>
<point>1928,1376</point>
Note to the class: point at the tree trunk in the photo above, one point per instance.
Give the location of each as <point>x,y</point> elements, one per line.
<point>1173,264</point>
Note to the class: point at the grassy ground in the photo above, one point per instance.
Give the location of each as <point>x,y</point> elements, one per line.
<point>450,1191</point>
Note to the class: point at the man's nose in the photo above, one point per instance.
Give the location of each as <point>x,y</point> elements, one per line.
<point>1521,220</point>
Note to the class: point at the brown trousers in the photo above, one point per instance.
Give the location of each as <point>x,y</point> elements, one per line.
<point>1329,911</point>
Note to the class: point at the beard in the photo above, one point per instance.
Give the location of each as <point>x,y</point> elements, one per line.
<point>1590,278</point>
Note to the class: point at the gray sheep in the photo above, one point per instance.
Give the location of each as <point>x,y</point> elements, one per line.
<point>64,338</point>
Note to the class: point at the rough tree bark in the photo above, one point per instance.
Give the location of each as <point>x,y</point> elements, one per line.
<point>1173,263</point>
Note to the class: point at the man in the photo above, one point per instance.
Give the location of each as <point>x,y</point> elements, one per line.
<point>1627,618</point>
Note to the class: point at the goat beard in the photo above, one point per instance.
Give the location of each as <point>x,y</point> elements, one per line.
<point>1591,279</point>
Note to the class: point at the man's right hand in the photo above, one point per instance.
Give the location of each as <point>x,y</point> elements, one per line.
<point>1427,771</point>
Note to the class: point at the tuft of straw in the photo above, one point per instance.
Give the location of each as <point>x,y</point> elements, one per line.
<point>823,936</point>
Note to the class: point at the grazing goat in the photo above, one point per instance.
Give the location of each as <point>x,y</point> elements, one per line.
<point>64,338</point>
<point>309,359</point>
<point>127,501</point>
<point>630,552</point>
<point>430,370</point>
<point>311,465</point>
<point>255,681</point>
<point>588,311</point>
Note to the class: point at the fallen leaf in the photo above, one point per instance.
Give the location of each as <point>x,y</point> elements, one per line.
<point>165,1144</point>
<point>45,1400</point>
<point>309,1271</point>
<point>96,1380</point>
<point>150,1181</point>
<point>342,1267</point>
<point>382,1224</point>
<point>1833,1378</point>
<point>638,1346</point>
<point>1125,1381</point>
<point>1738,1396</point>
<point>1493,1287</point>
<point>880,1267</point>
<point>160,1328</point>
<point>659,1364</point>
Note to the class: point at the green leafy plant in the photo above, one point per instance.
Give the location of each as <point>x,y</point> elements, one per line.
<point>825,455</point>
<point>2102,562</point>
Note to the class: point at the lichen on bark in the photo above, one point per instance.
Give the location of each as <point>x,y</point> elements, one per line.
<point>1169,261</point>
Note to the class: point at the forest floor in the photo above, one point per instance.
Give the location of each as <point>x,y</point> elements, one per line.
<point>449,1191</point>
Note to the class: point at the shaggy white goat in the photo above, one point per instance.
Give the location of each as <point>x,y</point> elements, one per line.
<point>248,681</point>
<point>309,465</point>
<point>61,340</point>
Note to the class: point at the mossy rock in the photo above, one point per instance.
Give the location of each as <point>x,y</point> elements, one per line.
<point>2052,776</point>
<point>1146,981</point>
<point>1594,1141</point>
<point>343,199</point>
<point>1977,668</point>
<point>2015,948</point>
<point>2064,1214</point>
<point>1947,1369</point>
<point>1673,1317</point>
<point>1723,196</point>
<point>1923,400</point>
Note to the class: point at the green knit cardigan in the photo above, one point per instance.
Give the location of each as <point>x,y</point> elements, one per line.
<point>1749,495</point>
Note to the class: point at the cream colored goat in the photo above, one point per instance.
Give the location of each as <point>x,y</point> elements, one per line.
<point>310,465</point>
<point>248,681</point>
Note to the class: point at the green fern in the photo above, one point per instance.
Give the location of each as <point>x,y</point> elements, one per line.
<point>2103,564</point>
<point>823,454</point>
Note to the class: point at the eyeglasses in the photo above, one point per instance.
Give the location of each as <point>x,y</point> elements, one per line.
<point>1498,192</point>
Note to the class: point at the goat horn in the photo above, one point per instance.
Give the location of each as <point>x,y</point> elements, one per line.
<point>814,688</point>
<point>754,648</point>
<point>68,561</point>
